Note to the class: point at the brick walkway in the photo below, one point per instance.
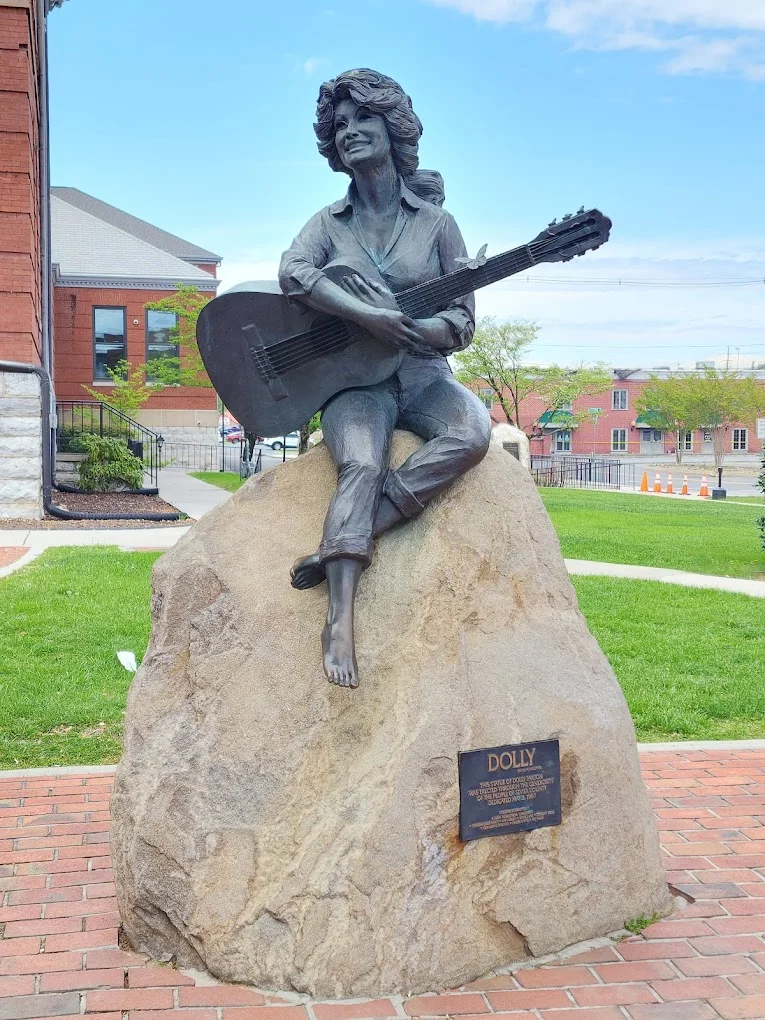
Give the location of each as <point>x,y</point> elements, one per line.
<point>58,920</point>
<point>10,553</point>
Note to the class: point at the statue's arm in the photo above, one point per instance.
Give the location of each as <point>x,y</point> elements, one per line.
<point>301,275</point>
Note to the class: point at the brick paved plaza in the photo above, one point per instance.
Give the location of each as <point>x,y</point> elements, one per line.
<point>59,953</point>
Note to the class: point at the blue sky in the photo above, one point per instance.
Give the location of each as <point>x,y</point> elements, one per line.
<point>197,117</point>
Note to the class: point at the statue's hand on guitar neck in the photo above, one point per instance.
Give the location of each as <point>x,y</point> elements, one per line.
<point>385,320</point>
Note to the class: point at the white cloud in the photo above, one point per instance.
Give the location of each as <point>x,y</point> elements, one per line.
<point>698,36</point>
<point>312,65</point>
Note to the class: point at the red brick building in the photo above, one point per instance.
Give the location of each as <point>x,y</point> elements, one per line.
<point>107,265</point>
<point>617,429</point>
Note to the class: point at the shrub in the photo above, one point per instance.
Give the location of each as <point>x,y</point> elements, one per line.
<point>108,466</point>
<point>761,483</point>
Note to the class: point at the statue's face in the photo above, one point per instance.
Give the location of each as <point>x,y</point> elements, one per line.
<point>361,136</point>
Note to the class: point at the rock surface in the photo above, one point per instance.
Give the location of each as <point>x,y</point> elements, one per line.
<point>298,836</point>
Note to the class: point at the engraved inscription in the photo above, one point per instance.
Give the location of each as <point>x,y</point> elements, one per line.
<point>509,789</point>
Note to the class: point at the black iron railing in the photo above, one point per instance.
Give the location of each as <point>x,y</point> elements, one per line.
<point>76,417</point>
<point>582,473</point>
<point>198,457</point>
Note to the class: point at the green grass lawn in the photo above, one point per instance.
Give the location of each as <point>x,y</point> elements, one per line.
<point>223,479</point>
<point>62,621</point>
<point>708,538</point>
<point>690,661</point>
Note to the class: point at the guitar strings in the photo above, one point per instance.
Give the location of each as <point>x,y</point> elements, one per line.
<point>436,289</point>
<point>325,338</point>
<point>336,334</point>
<point>293,352</point>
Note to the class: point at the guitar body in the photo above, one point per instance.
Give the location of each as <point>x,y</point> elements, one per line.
<point>238,334</point>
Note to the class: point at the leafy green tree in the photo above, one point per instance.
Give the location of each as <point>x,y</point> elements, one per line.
<point>130,391</point>
<point>307,430</point>
<point>498,358</point>
<point>721,400</point>
<point>672,404</point>
<point>186,302</point>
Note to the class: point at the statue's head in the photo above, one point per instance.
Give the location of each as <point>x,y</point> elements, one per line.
<point>385,99</point>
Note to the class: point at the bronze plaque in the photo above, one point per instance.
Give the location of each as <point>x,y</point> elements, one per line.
<point>513,788</point>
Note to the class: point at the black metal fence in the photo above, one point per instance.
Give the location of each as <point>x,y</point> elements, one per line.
<point>76,417</point>
<point>197,457</point>
<point>582,473</point>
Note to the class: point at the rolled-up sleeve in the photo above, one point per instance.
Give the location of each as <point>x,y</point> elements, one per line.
<point>460,313</point>
<point>302,263</point>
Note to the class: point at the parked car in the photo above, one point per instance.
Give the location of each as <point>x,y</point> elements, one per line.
<point>232,433</point>
<point>292,441</point>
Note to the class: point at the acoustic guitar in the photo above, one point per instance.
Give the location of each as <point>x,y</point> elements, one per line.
<point>274,361</point>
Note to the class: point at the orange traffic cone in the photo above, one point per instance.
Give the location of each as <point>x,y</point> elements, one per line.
<point>704,491</point>
<point>657,483</point>
<point>644,482</point>
<point>669,483</point>
<point>684,490</point>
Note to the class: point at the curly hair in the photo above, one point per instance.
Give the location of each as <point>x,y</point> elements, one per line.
<point>385,97</point>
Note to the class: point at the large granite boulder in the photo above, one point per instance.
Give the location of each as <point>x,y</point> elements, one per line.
<point>299,836</point>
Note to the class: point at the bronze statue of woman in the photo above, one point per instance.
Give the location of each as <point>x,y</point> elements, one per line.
<point>391,230</point>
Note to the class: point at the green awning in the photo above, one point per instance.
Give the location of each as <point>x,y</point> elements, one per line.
<point>557,420</point>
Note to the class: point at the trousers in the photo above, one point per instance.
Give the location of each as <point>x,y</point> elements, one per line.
<point>423,397</point>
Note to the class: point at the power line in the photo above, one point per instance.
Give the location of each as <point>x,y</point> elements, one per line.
<point>621,282</point>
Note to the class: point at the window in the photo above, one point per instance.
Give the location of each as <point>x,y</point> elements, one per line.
<point>618,400</point>
<point>108,341</point>
<point>563,441</point>
<point>159,338</point>
<point>566,405</point>
<point>688,442</point>
<point>486,396</point>
<point>619,440</point>
<point>739,439</point>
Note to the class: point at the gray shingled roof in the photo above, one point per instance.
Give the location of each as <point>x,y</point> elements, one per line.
<point>85,248</point>
<point>132,225</point>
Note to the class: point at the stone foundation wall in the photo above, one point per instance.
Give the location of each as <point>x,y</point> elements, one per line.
<point>20,446</point>
<point>198,435</point>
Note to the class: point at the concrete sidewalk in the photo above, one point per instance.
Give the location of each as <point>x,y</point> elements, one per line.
<point>741,585</point>
<point>188,494</point>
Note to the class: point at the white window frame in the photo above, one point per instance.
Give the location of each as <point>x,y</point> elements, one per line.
<point>565,436</point>
<point>618,445</point>
<point>688,442</point>
<point>736,445</point>
<point>616,405</point>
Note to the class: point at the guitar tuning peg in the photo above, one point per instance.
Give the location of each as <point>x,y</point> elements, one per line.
<point>552,223</point>
<point>567,216</point>
<point>580,210</point>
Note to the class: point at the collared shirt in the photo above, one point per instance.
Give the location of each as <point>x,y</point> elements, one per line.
<point>423,246</point>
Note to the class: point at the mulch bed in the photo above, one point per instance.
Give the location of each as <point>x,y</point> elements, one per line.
<point>102,502</point>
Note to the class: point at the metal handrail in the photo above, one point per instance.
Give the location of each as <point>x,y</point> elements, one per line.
<point>76,417</point>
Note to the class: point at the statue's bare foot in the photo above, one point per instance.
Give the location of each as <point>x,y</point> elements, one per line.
<point>307,572</point>
<point>339,655</point>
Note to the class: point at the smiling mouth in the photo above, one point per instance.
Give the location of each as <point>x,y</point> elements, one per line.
<point>356,145</point>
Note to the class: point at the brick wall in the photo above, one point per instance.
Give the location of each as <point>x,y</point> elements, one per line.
<point>20,325</point>
<point>585,439</point>
<point>73,359</point>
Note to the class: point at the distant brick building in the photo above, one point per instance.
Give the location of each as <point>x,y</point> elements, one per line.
<point>619,429</point>
<point>107,265</point>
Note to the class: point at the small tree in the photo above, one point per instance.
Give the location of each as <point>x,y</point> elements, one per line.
<point>130,391</point>
<point>671,404</point>
<point>721,400</point>
<point>308,430</point>
<point>498,358</point>
<point>187,369</point>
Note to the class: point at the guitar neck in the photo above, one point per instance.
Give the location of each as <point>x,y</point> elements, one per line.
<point>426,299</point>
